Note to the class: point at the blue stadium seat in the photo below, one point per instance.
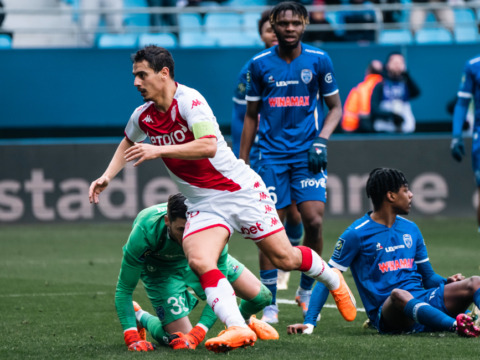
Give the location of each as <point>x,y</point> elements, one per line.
<point>117,41</point>
<point>190,22</point>
<point>237,39</point>
<point>242,3</point>
<point>395,36</point>
<point>250,23</point>
<point>196,39</point>
<point>433,36</point>
<point>465,25</point>
<point>5,42</point>
<point>136,19</point>
<point>167,40</point>
<point>219,22</point>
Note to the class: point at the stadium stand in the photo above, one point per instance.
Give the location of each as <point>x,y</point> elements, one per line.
<point>433,36</point>
<point>108,41</point>
<point>5,42</point>
<point>395,37</point>
<point>167,40</point>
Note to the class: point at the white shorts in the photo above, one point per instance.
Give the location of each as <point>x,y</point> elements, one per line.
<point>250,211</point>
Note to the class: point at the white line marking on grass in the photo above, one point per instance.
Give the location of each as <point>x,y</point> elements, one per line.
<point>292,302</point>
<point>56,294</point>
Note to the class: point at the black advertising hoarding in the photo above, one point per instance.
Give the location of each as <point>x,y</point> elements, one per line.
<point>49,183</point>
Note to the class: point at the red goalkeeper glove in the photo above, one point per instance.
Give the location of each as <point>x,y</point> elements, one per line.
<point>187,341</point>
<point>135,343</point>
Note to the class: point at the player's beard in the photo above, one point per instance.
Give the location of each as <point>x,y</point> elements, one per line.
<point>288,46</point>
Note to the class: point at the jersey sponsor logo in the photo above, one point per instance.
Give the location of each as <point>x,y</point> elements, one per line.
<point>328,78</point>
<point>268,209</point>
<point>275,221</point>
<point>313,183</point>
<point>395,265</point>
<point>289,101</point>
<point>254,229</point>
<point>306,75</point>
<point>148,119</point>
<point>196,103</point>
<point>394,248</point>
<point>234,268</point>
<point>379,246</point>
<point>270,79</point>
<point>286,83</point>
<point>407,239</point>
<point>337,252</point>
<point>176,137</point>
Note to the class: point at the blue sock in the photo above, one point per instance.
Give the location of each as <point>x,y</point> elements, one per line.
<point>318,299</point>
<point>476,298</point>
<point>269,279</point>
<point>294,233</point>
<point>306,282</point>
<point>429,316</point>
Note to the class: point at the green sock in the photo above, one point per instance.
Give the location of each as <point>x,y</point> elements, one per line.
<point>155,327</point>
<point>253,306</point>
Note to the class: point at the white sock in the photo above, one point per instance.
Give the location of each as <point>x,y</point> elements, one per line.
<point>322,272</point>
<point>223,301</point>
<point>139,314</point>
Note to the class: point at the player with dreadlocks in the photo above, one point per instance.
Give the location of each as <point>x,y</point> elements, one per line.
<point>390,265</point>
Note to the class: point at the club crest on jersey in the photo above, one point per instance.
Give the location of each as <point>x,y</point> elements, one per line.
<point>328,78</point>
<point>306,75</point>
<point>407,239</point>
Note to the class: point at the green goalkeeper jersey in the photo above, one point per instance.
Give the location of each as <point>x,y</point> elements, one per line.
<point>152,256</point>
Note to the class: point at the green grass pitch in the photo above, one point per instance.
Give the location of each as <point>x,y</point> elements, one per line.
<point>57,298</point>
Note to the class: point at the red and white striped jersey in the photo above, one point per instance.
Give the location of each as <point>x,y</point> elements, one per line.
<point>196,179</point>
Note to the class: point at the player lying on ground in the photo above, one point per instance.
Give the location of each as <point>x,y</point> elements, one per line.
<point>153,253</point>
<point>390,265</point>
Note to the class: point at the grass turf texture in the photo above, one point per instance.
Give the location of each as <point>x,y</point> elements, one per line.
<point>57,298</point>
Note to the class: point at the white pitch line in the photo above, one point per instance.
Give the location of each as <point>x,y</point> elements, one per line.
<point>292,302</point>
<point>55,294</point>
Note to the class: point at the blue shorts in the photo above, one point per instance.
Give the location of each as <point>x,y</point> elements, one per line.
<point>433,297</point>
<point>288,182</point>
<point>476,157</point>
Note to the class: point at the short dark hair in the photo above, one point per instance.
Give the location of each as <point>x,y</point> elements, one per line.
<point>296,8</point>
<point>157,57</point>
<point>176,207</point>
<point>382,180</point>
<point>393,53</point>
<point>263,19</point>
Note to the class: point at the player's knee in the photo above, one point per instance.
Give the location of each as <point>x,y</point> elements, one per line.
<point>199,266</point>
<point>284,263</point>
<point>313,223</point>
<point>400,297</point>
<point>473,284</point>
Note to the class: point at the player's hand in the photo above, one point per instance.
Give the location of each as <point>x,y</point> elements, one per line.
<point>96,187</point>
<point>300,329</point>
<point>457,148</point>
<point>454,278</point>
<point>135,343</point>
<point>317,155</point>
<point>196,336</point>
<point>142,152</point>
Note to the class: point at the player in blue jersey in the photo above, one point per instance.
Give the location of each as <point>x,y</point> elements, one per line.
<point>283,83</point>
<point>389,262</point>
<point>469,90</point>
<point>293,221</point>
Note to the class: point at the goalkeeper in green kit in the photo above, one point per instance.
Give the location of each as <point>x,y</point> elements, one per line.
<point>154,254</point>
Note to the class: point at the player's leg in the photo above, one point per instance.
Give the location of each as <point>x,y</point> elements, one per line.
<point>294,229</point>
<point>202,250</point>
<point>476,173</point>
<point>459,295</point>
<point>255,297</point>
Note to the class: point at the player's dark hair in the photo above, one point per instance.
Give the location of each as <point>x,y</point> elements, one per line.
<point>176,207</point>
<point>263,19</point>
<point>157,57</point>
<point>374,67</point>
<point>393,53</point>
<point>381,181</point>
<point>296,8</point>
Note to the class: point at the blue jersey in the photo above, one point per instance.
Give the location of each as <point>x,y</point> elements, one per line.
<point>381,259</point>
<point>470,89</point>
<point>238,116</point>
<point>288,92</point>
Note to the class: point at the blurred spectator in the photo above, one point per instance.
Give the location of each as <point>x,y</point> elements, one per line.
<point>390,16</point>
<point>390,104</point>
<point>444,16</point>
<point>323,35</point>
<point>356,110</point>
<point>364,16</point>
<point>157,20</point>
<point>90,20</point>
<point>2,18</point>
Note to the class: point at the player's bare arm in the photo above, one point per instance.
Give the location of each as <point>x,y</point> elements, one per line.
<point>334,115</point>
<point>454,278</point>
<point>250,126</point>
<point>116,165</point>
<point>202,148</point>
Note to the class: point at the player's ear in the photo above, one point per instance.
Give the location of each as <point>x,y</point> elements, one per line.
<point>391,196</point>
<point>167,220</point>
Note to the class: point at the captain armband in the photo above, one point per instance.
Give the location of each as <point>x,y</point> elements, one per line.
<point>203,129</point>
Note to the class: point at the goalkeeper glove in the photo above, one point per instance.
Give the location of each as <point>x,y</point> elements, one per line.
<point>317,155</point>
<point>457,148</point>
<point>188,341</point>
<point>135,343</point>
